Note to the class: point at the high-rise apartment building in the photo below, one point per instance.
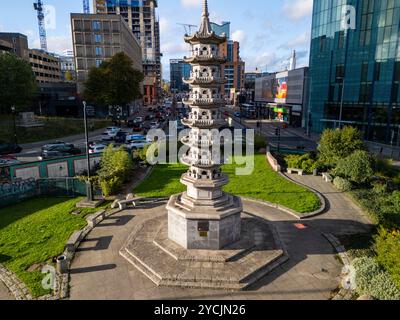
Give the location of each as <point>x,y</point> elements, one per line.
<point>16,43</point>
<point>179,70</point>
<point>355,68</point>
<point>234,68</point>
<point>141,18</point>
<point>96,38</point>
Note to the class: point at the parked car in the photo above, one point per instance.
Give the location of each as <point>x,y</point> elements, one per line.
<point>237,114</point>
<point>137,145</point>
<point>120,137</point>
<point>8,161</point>
<point>138,120</point>
<point>106,137</point>
<point>57,151</point>
<point>134,137</point>
<point>9,148</point>
<point>137,127</point>
<point>154,125</point>
<point>97,148</point>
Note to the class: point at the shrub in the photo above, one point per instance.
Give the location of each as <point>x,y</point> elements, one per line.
<point>260,142</point>
<point>115,167</point>
<point>387,248</point>
<point>372,280</point>
<point>338,144</point>
<point>357,167</point>
<point>293,161</point>
<point>384,168</point>
<point>305,162</point>
<point>342,184</point>
<point>380,188</point>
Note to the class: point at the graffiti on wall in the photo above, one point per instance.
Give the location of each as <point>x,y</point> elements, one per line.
<point>19,187</point>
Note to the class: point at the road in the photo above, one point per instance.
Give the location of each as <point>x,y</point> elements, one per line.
<point>32,151</point>
<point>288,139</point>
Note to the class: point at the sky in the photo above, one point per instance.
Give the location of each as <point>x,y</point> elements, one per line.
<point>268,30</point>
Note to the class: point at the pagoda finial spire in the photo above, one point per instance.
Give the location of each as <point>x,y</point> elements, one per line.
<point>205,9</point>
<point>205,27</point>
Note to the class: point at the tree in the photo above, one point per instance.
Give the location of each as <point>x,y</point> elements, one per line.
<point>17,83</point>
<point>115,168</point>
<point>114,83</point>
<point>338,144</point>
<point>357,167</point>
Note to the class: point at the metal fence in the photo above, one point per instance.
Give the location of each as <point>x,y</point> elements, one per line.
<point>12,193</point>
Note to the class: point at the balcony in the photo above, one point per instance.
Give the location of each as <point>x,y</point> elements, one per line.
<point>205,59</point>
<point>195,80</point>
<point>203,101</point>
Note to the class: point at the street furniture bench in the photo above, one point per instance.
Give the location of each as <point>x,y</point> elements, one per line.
<point>294,170</point>
<point>327,177</point>
<point>130,200</point>
<point>73,241</point>
<point>94,219</point>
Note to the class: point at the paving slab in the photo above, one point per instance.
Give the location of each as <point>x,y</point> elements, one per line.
<point>311,273</point>
<point>5,294</point>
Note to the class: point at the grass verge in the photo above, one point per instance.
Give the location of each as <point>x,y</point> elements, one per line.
<point>262,184</point>
<point>34,232</point>
<point>50,130</point>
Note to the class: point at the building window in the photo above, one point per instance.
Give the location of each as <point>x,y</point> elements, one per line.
<point>377,71</point>
<point>98,62</point>
<point>364,72</point>
<point>98,38</point>
<point>99,51</point>
<point>96,25</point>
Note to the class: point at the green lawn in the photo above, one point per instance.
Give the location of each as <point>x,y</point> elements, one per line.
<point>50,130</point>
<point>34,232</point>
<point>263,184</point>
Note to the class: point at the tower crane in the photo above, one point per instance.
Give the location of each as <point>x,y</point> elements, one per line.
<point>38,6</point>
<point>188,27</point>
<point>86,8</point>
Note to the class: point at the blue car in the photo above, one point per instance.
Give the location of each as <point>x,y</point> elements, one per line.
<point>237,114</point>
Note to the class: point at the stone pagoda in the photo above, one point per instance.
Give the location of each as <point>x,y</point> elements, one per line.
<point>204,217</point>
<point>202,239</point>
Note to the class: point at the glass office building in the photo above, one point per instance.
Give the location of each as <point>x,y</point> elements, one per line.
<point>179,69</point>
<point>355,67</point>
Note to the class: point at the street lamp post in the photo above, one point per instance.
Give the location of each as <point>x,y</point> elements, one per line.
<point>89,190</point>
<point>341,105</point>
<point>15,125</point>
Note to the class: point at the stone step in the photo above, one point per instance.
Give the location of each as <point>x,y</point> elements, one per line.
<point>253,277</point>
<point>148,272</point>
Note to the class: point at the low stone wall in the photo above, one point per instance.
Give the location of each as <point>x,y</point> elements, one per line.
<point>343,294</point>
<point>273,162</point>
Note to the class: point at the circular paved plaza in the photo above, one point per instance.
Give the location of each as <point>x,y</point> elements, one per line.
<point>312,272</point>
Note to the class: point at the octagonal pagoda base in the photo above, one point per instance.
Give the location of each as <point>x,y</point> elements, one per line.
<point>204,224</point>
<point>234,268</point>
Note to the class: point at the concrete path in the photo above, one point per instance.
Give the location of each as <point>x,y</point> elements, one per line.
<point>342,215</point>
<point>98,272</point>
<point>4,292</point>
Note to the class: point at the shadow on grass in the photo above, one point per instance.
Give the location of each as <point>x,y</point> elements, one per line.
<point>4,258</point>
<point>19,211</point>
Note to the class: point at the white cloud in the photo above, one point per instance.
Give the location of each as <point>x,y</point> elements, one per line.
<point>191,3</point>
<point>297,9</point>
<point>301,40</point>
<point>56,44</point>
<point>172,48</point>
<point>239,36</point>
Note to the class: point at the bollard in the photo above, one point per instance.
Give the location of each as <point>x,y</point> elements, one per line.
<point>62,264</point>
